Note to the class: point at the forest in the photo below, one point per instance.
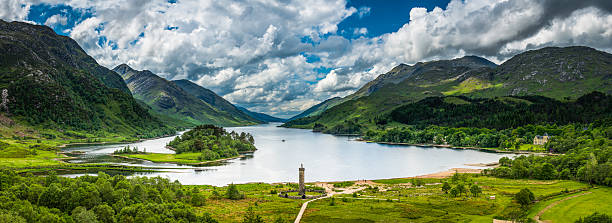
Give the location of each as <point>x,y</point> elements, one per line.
<point>580,129</point>
<point>504,112</point>
<point>99,198</point>
<point>587,157</point>
<point>213,142</point>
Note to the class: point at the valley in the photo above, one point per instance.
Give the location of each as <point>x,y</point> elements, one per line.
<point>457,140</point>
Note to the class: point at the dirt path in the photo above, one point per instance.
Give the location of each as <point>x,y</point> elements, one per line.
<point>329,189</point>
<point>537,217</point>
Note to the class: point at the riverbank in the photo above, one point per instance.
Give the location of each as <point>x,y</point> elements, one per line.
<point>191,159</point>
<point>462,148</point>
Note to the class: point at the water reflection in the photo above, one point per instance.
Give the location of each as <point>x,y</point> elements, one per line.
<point>281,151</point>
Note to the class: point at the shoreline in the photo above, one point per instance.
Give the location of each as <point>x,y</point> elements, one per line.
<point>460,148</point>
<point>435,145</point>
<point>78,144</point>
<point>187,164</point>
<point>436,175</point>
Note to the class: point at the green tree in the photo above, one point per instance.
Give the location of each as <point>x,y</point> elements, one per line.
<point>82,215</point>
<point>524,197</point>
<point>505,161</point>
<point>461,189</point>
<point>595,218</point>
<point>233,193</point>
<point>565,174</point>
<point>475,190</point>
<point>251,217</point>
<point>168,195</point>
<point>104,213</point>
<point>446,187</point>
<point>197,199</point>
<point>11,217</point>
<point>547,172</point>
<point>454,192</point>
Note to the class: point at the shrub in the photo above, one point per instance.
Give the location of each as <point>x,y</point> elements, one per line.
<point>233,193</point>
<point>524,197</point>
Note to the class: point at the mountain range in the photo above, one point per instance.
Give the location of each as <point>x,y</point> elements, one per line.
<point>167,98</point>
<point>561,73</point>
<point>52,83</point>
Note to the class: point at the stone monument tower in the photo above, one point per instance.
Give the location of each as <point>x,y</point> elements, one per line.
<point>302,189</point>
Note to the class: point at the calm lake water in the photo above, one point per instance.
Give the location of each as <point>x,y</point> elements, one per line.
<point>325,157</point>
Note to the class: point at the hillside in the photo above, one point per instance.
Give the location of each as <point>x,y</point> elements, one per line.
<point>261,116</point>
<point>559,73</point>
<point>319,108</point>
<point>52,83</point>
<point>213,99</point>
<point>554,72</point>
<point>167,98</point>
<point>503,112</point>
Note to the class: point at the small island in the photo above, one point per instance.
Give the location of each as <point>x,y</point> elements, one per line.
<point>203,144</point>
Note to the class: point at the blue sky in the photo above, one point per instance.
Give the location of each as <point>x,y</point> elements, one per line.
<point>380,17</point>
<point>281,57</point>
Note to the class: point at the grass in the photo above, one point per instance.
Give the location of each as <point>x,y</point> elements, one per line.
<point>183,158</point>
<point>23,147</point>
<point>258,196</point>
<point>393,201</point>
<point>572,209</point>
<point>470,85</point>
<point>532,147</point>
<point>28,158</point>
<point>308,193</point>
<point>406,180</point>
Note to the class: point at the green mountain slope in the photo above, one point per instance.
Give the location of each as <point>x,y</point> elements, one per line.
<point>553,72</point>
<point>213,99</point>
<point>503,112</point>
<point>319,108</point>
<point>52,83</point>
<point>558,73</point>
<point>261,116</point>
<point>166,98</point>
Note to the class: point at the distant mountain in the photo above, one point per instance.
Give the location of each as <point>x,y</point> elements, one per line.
<point>261,116</point>
<point>167,98</point>
<point>559,73</point>
<point>319,108</point>
<point>52,83</point>
<point>553,72</point>
<point>214,100</point>
<point>426,74</point>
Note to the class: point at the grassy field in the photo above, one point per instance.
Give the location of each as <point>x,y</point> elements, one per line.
<point>572,209</point>
<point>16,158</point>
<point>183,158</point>
<point>532,148</point>
<point>24,147</point>
<point>395,200</point>
<point>261,197</point>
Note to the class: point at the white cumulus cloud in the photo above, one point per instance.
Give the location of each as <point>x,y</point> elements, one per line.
<point>253,53</point>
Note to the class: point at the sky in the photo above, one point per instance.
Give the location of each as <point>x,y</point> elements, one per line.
<point>283,56</point>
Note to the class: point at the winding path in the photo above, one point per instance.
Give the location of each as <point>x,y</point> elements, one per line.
<point>330,192</point>
<point>537,216</point>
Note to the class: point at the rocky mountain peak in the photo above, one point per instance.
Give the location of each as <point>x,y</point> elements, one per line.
<point>123,68</point>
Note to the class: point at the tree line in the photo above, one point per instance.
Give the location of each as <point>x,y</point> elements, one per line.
<point>99,198</point>
<point>502,113</point>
